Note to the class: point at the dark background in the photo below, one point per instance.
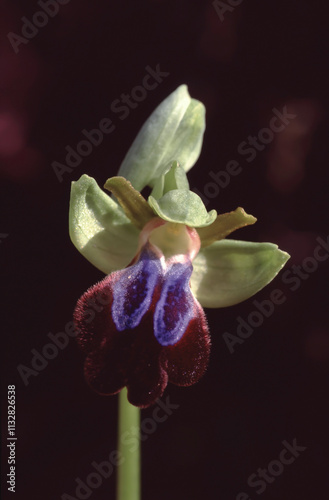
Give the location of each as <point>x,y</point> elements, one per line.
<point>274,387</point>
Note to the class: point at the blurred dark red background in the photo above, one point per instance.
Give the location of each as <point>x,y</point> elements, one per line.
<point>274,387</point>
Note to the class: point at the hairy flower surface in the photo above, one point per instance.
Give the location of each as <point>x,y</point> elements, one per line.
<point>143,325</point>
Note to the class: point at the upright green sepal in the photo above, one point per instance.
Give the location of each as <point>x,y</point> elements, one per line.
<point>174,131</point>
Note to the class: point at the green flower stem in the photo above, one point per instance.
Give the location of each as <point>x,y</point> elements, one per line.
<point>128,481</point>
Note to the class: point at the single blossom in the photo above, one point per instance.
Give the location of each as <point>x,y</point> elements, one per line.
<point>143,325</point>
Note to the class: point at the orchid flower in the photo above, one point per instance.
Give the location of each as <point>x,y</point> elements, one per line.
<point>165,258</point>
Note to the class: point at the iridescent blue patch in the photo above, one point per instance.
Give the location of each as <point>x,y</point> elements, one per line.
<point>133,292</point>
<point>175,308</point>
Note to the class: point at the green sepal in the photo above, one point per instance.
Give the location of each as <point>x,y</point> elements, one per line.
<point>184,207</point>
<point>224,225</point>
<point>174,178</point>
<point>174,131</point>
<point>132,202</point>
<point>98,227</point>
<point>229,271</point>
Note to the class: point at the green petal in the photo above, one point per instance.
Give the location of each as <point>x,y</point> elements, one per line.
<point>174,178</point>
<point>229,271</point>
<point>98,227</point>
<point>174,131</point>
<point>134,205</point>
<point>184,207</point>
<point>224,225</point>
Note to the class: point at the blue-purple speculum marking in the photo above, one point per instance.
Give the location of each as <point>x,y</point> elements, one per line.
<point>133,295</point>
<point>133,292</point>
<point>174,309</point>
